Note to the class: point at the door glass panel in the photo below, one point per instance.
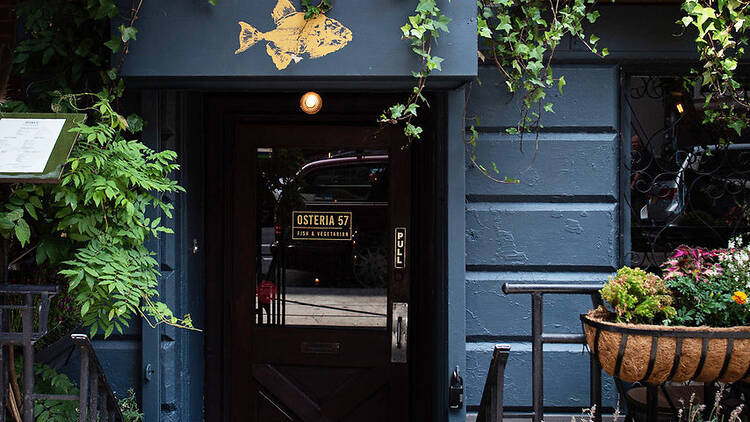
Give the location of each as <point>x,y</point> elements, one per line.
<point>322,251</point>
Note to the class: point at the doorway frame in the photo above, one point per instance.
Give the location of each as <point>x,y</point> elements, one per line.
<point>431,335</point>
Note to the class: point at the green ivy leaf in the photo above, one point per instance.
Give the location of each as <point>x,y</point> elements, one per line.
<point>23,232</point>
<point>127,33</point>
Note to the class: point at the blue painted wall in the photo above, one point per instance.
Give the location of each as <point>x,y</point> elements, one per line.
<point>560,225</point>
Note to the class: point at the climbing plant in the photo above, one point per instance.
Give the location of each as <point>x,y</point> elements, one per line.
<point>421,30</point>
<point>91,229</point>
<point>519,37</point>
<point>721,42</point>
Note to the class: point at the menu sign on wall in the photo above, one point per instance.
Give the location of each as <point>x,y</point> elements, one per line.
<point>321,225</point>
<point>26,144</point>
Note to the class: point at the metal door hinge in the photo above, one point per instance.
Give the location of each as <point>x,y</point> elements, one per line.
<point>399,330</point>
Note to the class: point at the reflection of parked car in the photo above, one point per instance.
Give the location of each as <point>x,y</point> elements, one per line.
<point>359,185</point>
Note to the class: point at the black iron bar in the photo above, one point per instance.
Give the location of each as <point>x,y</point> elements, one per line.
<point>558,338</point>
<point>500,358</point>
<point>3,381</point>
<point>84,391</point>
<point>595,386</point>
<point>55,397</point>
<point>491,405</point>
<point>83,342</point>
<point>709,395</point>
<point>27,288</point>
<point>537,381</point>
<point>93,394</point>
<point>513,288</point>
<point>104,404</point>
<point>27,322</point>
<point>652,403</point>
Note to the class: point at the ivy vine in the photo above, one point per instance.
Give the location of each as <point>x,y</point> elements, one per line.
<point>519,37</point>
<point>721,42</point>
<point>421,30</point>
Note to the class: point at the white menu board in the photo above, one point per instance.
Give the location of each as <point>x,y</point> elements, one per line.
<point>26,144</point>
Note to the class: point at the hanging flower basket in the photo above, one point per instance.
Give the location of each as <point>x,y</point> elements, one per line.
<point>655,354</point>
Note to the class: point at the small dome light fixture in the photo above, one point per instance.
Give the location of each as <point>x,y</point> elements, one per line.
<point>311,102</point>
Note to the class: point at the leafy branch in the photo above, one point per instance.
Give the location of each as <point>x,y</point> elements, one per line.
<point>520,38</point>
<point>312,10</point>
<point>721,42</point>
<point>92,228</point>
<point>421,30</point>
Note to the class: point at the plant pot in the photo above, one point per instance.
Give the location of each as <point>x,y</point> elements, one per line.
<point>655,354</point>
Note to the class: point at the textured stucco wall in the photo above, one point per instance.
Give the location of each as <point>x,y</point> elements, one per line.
<point>560,225</point>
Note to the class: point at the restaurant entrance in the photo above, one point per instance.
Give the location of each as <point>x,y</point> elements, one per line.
<point>312,246</point>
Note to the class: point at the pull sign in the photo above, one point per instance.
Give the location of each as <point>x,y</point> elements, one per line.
<point>399,258</point>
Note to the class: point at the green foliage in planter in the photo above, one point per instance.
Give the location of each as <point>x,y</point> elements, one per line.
<point>638,297</point>
<point>710,286</point>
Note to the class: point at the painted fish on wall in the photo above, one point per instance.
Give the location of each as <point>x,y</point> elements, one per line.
<point>295,37</point>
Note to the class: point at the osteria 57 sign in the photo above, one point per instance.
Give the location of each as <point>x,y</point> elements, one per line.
<point>321,225</point>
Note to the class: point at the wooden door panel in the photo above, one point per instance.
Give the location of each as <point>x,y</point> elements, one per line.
<point>270,411</point>
<point>362,392</point>
<point>321,346</point>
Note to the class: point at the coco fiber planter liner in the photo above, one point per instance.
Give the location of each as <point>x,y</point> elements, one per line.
<point>655,354</point>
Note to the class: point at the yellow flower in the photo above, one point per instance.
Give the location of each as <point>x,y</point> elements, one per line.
<point>739,297</point>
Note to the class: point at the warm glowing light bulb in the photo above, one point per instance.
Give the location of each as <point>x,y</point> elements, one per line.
<point>311,102</point>
<point>680,108</point>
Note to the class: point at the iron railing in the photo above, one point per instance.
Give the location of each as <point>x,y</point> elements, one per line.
<point>95,391</point>
<point>26,338</point>
<point>539,338</point>
<point>96,399</point>
<point>491,405</point>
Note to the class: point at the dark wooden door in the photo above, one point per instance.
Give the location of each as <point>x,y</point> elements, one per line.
<point>320,281</point>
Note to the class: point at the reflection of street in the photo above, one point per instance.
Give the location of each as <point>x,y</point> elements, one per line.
<point>334,306</point>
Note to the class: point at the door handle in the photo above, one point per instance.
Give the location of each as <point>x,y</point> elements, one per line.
<point>399,332</point>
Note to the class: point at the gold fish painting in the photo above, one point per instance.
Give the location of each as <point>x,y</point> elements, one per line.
<point>295,36</point>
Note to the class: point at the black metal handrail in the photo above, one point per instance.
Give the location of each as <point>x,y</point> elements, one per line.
<point>94,386</point>
<point>491,405</point>
<point>539,338</point>
<point>95,391</point>
<point>25,338</point>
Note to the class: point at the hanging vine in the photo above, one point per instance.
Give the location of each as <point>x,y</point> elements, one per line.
<point>422,31</point>
<point>520,38</point>
<point>721,42</point>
